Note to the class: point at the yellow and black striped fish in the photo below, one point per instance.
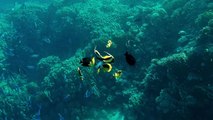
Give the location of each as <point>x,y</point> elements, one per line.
<point>106,67</point>
<point>106,59</point>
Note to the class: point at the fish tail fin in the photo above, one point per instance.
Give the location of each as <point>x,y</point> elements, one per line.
<point>92,62</point>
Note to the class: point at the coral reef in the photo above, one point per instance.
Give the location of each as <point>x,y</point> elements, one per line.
<point>203,19</point>
<point>41,46</point>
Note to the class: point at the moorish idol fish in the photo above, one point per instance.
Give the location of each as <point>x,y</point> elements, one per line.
<point>106,67</point>
<point>106,59</point>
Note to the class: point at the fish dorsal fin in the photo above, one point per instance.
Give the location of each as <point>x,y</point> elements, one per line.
<point>98,55</point>
<point>108,53</point>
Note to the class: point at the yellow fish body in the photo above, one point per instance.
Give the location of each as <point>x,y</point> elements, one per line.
<point>106,67</point>
<point>109,44</point>
<point>92,62</point>
<point>117,74</point>
<point>107,58</point>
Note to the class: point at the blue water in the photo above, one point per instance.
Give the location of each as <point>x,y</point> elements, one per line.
<point>50,55</point>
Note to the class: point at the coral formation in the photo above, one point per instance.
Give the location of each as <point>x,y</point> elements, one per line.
<point>41,46</point>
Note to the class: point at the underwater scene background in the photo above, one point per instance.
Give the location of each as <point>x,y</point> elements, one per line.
<point>54,60</point>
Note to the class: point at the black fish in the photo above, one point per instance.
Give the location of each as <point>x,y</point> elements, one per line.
<point>87,61</point>
<point>130,59</point>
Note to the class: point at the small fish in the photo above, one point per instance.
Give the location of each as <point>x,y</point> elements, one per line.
<point>67,98</point>
<point>46,40</point>
<point>80,74</point>
<point>9,52</point>
<point>88,93</point>
<point>117,74</point>
<point>29,101</point>
<point>34,56</point>
<point>37,116</point>
<point>60,116</point>
<point>95,90</point>
<point>30,67</point>
<point>88,61</point>
<point>106,67</point>
<point>65,78</point>
<point>16,87</point>
<point>107,58</point>
<point>109,44</point>
<point>130,59</point>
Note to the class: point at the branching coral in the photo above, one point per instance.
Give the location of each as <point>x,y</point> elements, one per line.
<point>203,19</point>
<point>170,84</point>
<point>165,102</point>
<point>175,59</point>
<point>46,63</point>
<point>14,95</point>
